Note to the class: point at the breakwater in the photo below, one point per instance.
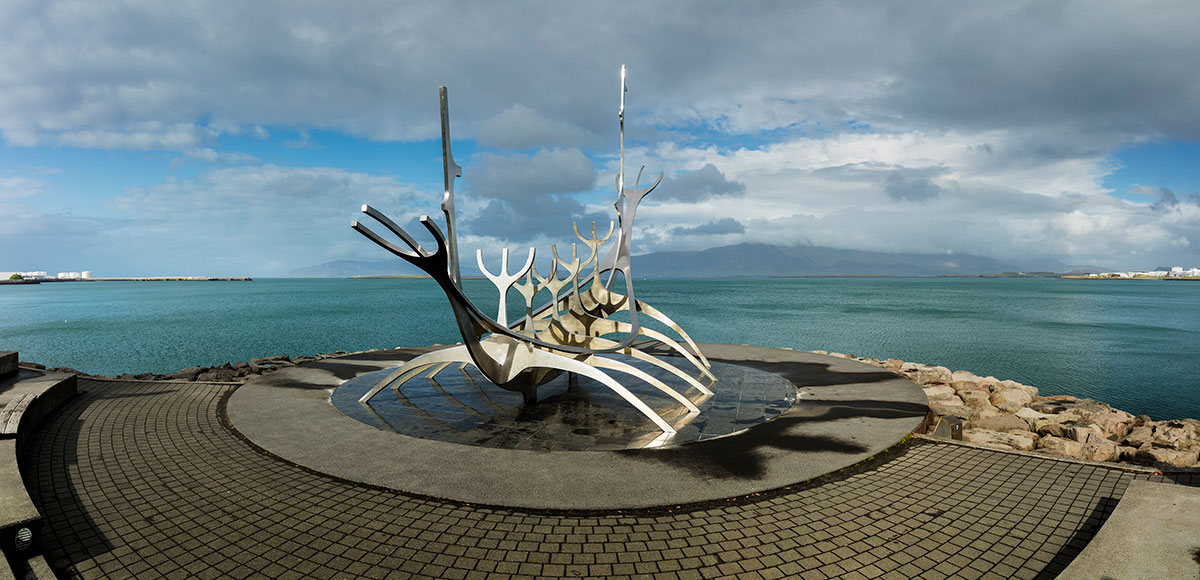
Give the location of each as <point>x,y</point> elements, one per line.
<point>175,279</point>
<point>1009,415</point>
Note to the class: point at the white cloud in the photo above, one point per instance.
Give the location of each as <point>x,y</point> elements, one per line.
<point>18,187</point>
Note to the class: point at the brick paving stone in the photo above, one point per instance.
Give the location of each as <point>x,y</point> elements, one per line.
<point>145,479</point>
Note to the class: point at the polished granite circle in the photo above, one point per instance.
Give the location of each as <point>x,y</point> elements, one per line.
<point>573,413</point>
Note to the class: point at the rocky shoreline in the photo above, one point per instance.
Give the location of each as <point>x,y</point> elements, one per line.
<point>1010,415</point>
<point>995,413</point>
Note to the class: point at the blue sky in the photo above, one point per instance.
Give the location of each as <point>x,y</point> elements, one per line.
<point>215,138</point>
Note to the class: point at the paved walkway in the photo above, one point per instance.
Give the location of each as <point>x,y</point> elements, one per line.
<point>145,479</point>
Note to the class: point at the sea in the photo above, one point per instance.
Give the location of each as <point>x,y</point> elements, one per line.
<point>1133,344</point>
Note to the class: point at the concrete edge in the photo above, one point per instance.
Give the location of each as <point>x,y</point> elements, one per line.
<point>1151,534</point>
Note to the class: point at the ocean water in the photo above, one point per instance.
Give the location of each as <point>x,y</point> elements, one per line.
<point>1133,344</point>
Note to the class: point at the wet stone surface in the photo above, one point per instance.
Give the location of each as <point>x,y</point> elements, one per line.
<point>572,413</point>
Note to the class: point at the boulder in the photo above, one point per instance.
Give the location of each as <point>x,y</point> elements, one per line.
<point>1076,409</point>
<point>1177,434</point>
<point>1126,453</point>
<point>976,399</point>
<point>968,387</point>
<point>1051,398</point>
<point>1173,457</point>
<point>967,376</point>
<point>188,374</point>
<point>989,383</point>
<point>1032,391</point>
<point>218,375</point>
<point>1022,442</point>
<point>1002,423</point>
<point>987,410</point>
<point>1081,431</point>
<point>1066,446</point>
<point>939,392</point>
<point>1035,419</point>
<point>1116,423</point>
<point>951,401</point>
<point>892,364</point>
<point>1051,429</point>
<point>1099,450</point>
<point>960,411</point>
<point>1139,436</point>
<point>1010,407</point>
<point>926,375</point>
<point>1020,397</point>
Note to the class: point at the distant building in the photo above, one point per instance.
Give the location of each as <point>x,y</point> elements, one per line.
<point>69,276</point>
<point>1177,271</point>
<point>35,275</point>
<point>86,274</point>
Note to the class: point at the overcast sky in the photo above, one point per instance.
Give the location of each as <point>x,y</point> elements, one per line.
<point>240,138</point>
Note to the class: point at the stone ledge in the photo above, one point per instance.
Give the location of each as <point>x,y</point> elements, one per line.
<point>16,509</point>
<point>25,399</point>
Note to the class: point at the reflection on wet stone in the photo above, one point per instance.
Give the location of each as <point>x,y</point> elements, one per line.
<point>464,407</point>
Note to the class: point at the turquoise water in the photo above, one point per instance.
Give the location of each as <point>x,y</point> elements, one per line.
<point>1131,344</point>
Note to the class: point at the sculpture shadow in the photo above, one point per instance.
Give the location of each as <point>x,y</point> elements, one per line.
<point>747,455</point>
<point>1079,540</point>
<point>51,450</point>
<point>803,374</point>
<point>347,367</point>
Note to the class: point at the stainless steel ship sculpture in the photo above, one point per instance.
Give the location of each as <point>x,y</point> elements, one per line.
<point>566,333</point>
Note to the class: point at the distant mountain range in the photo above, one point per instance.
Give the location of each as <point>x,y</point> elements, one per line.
<point>744,260</point>
<point>770,260</point>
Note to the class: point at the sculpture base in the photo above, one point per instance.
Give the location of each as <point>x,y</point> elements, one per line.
<point>847,412</point>
<point>572,414</point>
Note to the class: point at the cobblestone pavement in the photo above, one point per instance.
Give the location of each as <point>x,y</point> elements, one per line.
<point>144,479</point>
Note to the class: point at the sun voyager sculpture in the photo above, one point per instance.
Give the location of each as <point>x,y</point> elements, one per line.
<point>574,330</point>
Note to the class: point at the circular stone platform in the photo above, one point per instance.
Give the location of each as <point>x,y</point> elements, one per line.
<point>844,412</point>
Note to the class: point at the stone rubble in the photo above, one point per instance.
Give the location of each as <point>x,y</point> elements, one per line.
<point>1010,415</point>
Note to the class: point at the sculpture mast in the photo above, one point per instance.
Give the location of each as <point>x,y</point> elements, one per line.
<point>451,170</point>
<point>621,118</point>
